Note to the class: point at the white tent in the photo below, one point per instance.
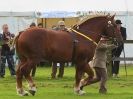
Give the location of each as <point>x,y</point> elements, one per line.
<point>26,10</point>
<point>17,21</point>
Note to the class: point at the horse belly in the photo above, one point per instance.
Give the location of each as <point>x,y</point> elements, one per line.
<point>61,49</point>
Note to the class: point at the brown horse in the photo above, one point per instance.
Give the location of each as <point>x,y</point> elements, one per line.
<point>34,45</point>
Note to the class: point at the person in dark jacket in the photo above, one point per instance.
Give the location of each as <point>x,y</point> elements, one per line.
<point>32,25</point>
<point>117,52</point>
<point>6,53</point>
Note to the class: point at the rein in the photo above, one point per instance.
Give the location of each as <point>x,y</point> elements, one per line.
<point>81,34</point>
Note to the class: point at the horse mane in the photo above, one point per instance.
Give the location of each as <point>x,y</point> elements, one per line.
<point>88,17</point>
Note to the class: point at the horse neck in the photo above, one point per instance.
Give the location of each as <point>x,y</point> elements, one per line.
<point>93,29</point>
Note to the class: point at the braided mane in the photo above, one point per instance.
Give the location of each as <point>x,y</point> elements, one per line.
<point>87,17</point>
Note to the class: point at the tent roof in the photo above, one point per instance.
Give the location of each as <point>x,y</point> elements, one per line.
<point>65,5</point>
<point>17,14</point>
<point>63,8</point>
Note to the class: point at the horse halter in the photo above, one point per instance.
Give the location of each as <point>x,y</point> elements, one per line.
<point>76,27</point>
<point>109,24</point>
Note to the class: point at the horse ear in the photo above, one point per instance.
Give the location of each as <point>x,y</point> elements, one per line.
<point>108,15</point>
<point>112,17</point>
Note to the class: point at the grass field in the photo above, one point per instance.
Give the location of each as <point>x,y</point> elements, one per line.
<point>121,88</point>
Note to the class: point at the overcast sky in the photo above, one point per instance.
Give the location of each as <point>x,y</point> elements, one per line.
<point>65,5</point>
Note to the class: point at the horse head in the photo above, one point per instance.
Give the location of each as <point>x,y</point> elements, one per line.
<point>97,26</point>
<point>111,30</point>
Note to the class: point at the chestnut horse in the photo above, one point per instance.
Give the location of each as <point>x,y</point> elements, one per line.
<point>34,45</point>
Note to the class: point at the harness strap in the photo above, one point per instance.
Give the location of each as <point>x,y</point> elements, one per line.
<point>74,45</point>
<point>87,37</point>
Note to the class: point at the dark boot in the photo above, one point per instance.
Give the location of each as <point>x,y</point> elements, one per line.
<point>2,76</point>
<point>54,70</point>
<point>102,90</point>
<point>61,70</point>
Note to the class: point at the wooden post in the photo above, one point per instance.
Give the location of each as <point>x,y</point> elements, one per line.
<point>42,22</point>
<point>45,22</point>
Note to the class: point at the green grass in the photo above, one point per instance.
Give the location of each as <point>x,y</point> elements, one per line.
<point>121,88</point>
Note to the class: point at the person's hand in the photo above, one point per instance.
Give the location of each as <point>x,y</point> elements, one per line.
<point>8,37</point>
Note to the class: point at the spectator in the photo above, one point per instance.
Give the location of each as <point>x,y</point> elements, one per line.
<point>6,53</point>
<point>32,25</point>
<point>40,25</point>
<point>33,71</point>
<point>60,26</point>
<point>117,52</point>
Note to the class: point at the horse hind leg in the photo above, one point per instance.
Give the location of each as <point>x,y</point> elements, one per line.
<point>30,65</point>
<point>19,76</point>
<point>32,86</point>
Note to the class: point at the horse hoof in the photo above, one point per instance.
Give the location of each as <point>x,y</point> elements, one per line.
<point>80,92</point>
<point>26,94</point>
<point>23,94</point>
<point>32,92</point>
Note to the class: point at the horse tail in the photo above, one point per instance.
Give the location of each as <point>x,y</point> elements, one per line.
<point>14,42</point>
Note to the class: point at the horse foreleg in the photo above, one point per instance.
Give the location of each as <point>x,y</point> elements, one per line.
<point>78,76</point>
<point>90,74</point>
